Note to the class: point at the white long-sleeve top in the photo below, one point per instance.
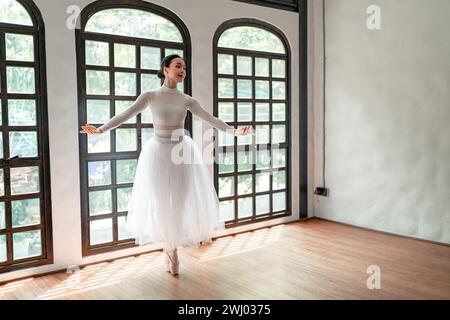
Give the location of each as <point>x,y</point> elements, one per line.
<point>169,107</point>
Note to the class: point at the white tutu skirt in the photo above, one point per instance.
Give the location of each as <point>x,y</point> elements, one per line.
<point>173,201</point>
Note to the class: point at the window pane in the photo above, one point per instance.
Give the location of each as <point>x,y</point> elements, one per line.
<point>225,139</point>
<point>122,106</point>
<point>122,232</point>
<point>262,112</point>
<point>100,202</point>
<point>2,191</point>
<point>149,82</point>
<point>226,111</point>
<point>20,79</point>
<point>263,159</point>
<point>25,212</point>
<point>180,86</point>
<point>245,207</point>
<point>23,143</point>
<point>262,89</point>
<point>244,66</point>
<point>97,82</point>
<point>278,90</point>
<point>244,89</point>
<point>226,88</point>
<point>278,68</point>
<point>124,55</point>
<point>27,244</point>
<point>97,111</point>
<point>123,196</point>
<point>244,111</point>
<point>279,180</point>
<point>97,53</point>
<point>278,134</point>
<point>99,173</point>
<point>169,51</point>
<point>245,161</point>
<point>262,181</point>
<point>12,11</point>
<point>262,134</point>
<point>279,112</point>
<point>99,143</point>
<point>2,213</point>
<point>1,146</point>
<point>147,134</point>
<point>22,112</point>
<point>224,63</point>
<point>126,140</point>
<point>133,23</point>
<point>3,255</point>
<point>245,184</point>
<point>279,201</point>
<point>251,38</point>
<point>226,162</point>
<point>125,84</point>
<point>262,204</point>
<point>150,58</point>
<point>243,140</point>
<point>19,47</point>
<point>24,180</point>
<point>226,186</point>
<point>126,170</point>
<point>226,210</point>
<point>100,231</point>
<point>262,67</point>
<point>279,157</point>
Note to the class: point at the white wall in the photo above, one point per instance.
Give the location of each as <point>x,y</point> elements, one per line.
<point>387,117</point>
<point>202,17</point>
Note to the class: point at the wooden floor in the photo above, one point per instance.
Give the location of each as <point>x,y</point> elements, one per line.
<point>312,259</point>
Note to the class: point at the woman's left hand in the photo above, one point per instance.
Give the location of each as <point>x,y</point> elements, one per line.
<point>244,131</point>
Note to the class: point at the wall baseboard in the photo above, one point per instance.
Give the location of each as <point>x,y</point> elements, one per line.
<point>386,232</point>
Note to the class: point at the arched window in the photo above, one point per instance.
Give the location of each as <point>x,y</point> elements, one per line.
<point>119,49</point>
<point>252,87</point>
<point>25,209</point>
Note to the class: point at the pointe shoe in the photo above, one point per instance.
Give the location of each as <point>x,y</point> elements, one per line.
<point>172,262</point>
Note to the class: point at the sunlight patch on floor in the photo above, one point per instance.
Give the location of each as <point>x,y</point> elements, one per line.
<point>104,274</point>
<point>242,242</point>
<point>11,286</point>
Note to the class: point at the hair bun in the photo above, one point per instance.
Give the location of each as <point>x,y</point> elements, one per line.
<point>160,75</point>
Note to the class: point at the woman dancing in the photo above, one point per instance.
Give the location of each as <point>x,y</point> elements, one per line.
<point>172,200</point>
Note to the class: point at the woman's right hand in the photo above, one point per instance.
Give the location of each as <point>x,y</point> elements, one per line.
<point>90,129</point>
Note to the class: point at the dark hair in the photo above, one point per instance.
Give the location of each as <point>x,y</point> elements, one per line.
<point>165,62</point>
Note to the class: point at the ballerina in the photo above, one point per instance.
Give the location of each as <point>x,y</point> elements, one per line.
<point>172,201</point>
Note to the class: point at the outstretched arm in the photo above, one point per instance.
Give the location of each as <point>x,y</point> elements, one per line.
<point>138,106</point>
<point>195,107</point>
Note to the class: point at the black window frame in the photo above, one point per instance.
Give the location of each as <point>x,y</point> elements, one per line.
<point>37,30</point>
<point>81,35</point>
<point>288,100</point>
